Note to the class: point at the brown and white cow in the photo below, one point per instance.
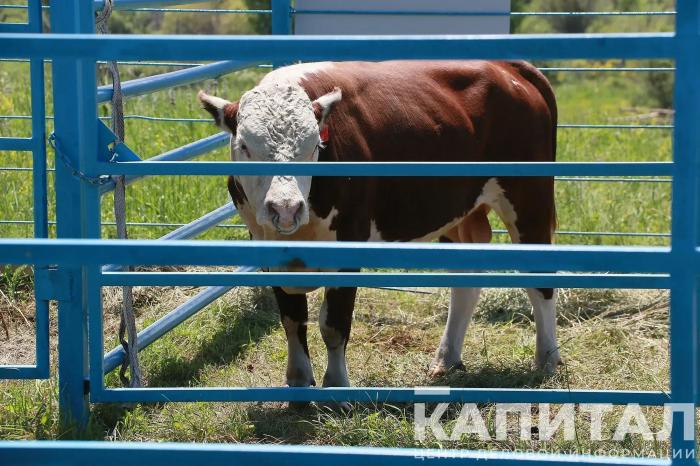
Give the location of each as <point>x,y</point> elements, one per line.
<point>452,111</point>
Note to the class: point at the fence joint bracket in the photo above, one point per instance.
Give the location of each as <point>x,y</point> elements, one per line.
<point>53,285</point>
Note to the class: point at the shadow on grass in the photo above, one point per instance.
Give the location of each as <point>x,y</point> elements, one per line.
<point>520,375</point>
<point>237,330</point>
<point>279,423</point>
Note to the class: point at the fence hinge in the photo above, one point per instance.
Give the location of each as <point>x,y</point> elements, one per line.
<point>53,285</point>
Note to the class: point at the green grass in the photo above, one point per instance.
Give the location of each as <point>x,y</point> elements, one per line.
<point>610,339</point>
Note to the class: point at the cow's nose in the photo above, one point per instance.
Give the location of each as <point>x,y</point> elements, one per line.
<point>285,216</point>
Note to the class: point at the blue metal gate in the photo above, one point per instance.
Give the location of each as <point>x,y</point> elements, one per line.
<point>73,268</point>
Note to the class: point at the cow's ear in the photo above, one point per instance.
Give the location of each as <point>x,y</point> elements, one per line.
<point>223,111</point>
<point>323,105</point>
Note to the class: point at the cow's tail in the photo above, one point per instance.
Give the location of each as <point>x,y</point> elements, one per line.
<point>537,79</point>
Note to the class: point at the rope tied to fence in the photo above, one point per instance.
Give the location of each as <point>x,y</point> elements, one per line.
<point>127,323</point>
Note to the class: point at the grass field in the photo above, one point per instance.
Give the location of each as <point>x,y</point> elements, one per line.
<point>610,339</point>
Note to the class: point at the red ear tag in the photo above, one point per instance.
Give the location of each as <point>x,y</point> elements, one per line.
<point>325,134</point>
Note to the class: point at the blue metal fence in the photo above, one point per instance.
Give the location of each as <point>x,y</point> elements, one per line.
<point>37,145</point>
<point>73,268</point>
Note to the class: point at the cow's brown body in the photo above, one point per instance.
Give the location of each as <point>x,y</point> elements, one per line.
<point>433,111</point>
<point>452,111</point>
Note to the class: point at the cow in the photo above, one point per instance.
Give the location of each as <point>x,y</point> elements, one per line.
<point>415,111</point>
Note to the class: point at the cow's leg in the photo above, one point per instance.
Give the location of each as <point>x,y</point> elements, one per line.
<point>543,302</point>
<point>474,229</point>
<point>335,320</point>
<point>294,314</point>
<point>531,220</point>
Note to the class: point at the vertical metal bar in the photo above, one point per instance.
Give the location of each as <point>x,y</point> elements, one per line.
<point>96,333</point>
<point>36,71</point>
<point>77,201</point>
<point>683,333</point>
<point>281,20</point>
<point>41,224</point>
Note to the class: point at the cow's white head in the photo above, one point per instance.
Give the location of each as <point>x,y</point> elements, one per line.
<point>274,122</point>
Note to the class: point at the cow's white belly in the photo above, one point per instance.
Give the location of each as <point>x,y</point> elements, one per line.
<point>376,235</point>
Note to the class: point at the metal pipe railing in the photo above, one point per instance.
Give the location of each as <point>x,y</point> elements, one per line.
<point>202,224</point>
<point>18,144</point>
<point>172,79</point>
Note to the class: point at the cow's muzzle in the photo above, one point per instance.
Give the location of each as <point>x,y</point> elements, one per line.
<point>286,216</point>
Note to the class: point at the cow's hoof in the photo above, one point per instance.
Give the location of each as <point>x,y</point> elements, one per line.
<point>548,361</point>
<point>299,405</point>
<point>439,369</point>
<point>340,380</point>
<point>337,407</point>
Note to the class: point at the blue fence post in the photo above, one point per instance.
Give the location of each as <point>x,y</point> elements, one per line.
<point>684,240</point>
<point>281,20</point>
<point>39,185</point>
<point>77,201</point>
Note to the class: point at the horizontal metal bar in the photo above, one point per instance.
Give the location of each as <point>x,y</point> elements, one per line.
<point>374,280</point>
<point>35,453</point>
<point>158,82</point>
<point>309,48</point>
<point>13,28</point>
<point>379,395</point>
<point>186,152</point>
<point>490,169</point>
<point>168,322</point>
<point>22,372</point>
<point>315,254</point>
<point>19,144</point>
